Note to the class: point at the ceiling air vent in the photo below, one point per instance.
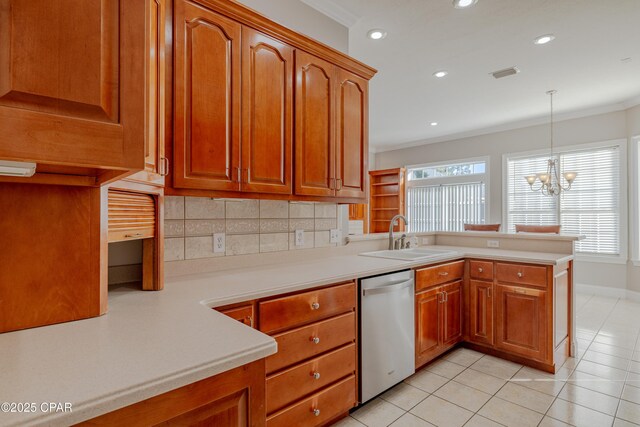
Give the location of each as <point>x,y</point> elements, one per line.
<point>506,72</point>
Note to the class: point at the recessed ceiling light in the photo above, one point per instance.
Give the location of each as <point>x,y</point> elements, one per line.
<point>376,34</point>
<point>461,4</point>
<point>440,74</point>
<point>544,39</point>
<point>434,123</point>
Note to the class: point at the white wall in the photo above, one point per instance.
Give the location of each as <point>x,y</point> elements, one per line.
<point>304,19</point>
<point>633,130</point>
<point>602,127</point>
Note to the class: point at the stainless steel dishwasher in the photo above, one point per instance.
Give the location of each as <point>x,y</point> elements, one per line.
<point>387,340</point>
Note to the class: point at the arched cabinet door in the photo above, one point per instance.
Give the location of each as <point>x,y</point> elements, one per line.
<point>351,135</point>
<point>267,103</point>
<point>315,126</point>
<point>206,99</point>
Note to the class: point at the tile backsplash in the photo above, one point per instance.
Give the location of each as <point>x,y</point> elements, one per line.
<point>250,226</point>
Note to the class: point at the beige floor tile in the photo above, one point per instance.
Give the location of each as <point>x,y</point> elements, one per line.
<point>629,412</point>
<point>611,350</point>
<point>463,356</point>
<point>589,398</point>
<point>571,363</point>
<point>426,381</point>
<point>601,385</point>
<point>601,371</point>
<point>622,423</point>
<point>523,396</point>
<point>348,422</point>
<point>538,381</point>
<point>606,359</point>
<point>496,367</point>
<point>625,341</point>
<point>509,414</point>
<point>462,395</point>
<point>441,413</point>
<point>378,413</point>
<point>634,367</point>
<point>552,422</point>
<point>632,394</point>
<point>478,421</point>
<point>578,415</point>
<point>480,381</point>
<point>405,396</point>
<point>636,356</point>
<point>410,420</point>
<point>444,368</point>
<point>633,379</point>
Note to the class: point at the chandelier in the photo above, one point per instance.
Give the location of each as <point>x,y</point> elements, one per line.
<point>550,183</point>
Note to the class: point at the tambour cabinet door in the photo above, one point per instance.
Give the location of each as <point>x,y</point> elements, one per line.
<point>72,82</point>
<point>481,311</point>
<point>352,148</point>
<point>267,97</point>
<point>315,126</point>
<point>206,99</point>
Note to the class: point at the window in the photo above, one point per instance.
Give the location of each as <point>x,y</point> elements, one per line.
<point>592,207</point>
<point>444,197</point>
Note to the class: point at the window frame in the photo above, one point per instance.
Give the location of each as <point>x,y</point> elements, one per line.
<point>623,231</point>
<point>455,179</point>
<point>634,199</point>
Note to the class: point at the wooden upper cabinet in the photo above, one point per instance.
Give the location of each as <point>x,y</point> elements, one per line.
<point>267,102</point>
<point>72,83</point>
<point>315,126</point>
<point>206,99</point>
<point>351,141</point>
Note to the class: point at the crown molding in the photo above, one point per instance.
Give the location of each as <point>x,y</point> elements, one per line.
<point>334,11</point>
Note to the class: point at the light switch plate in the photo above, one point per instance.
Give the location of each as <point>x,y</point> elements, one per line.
<point>299,238</point>
<point>218,242</point>
<point>493,243</point>
<point>335,236</point>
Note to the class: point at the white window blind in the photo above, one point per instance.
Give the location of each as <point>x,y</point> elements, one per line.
<point>591,207</point>
<point>445,207</point>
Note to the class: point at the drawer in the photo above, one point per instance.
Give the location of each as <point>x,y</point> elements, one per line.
<point>242,314</point>
<point>299,309</point>
<point>522,274</point>
<point>288,386</point>
<point>481,270</point>
<point>319,408</point>
<point>297,345</point>
<point>436,275</point>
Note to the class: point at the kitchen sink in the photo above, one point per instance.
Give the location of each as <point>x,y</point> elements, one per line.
<point>413,254</point>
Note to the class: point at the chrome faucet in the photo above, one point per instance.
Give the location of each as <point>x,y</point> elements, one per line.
<point>393,222</point>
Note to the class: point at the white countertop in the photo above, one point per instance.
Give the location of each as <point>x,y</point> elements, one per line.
<point>152,342</point>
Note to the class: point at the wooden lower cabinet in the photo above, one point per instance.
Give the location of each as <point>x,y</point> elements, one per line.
<point>244,313</point>
<point>232,399</point>
<point>481,312</point>
<point>438,321</point>
<point>521,321</point>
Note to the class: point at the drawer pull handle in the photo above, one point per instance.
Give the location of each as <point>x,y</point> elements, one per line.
<point>315,375</point>
<point>520,274</point>
<point>315,340</point>
<point>316,412</point>
<point>444,273</point>
<point>315,306</point>
<point>250,320</point>
<point>480,269</point>
<point>128,236</point>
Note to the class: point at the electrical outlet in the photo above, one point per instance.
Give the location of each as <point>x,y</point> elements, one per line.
<point>299,238</point>
<point>218,242</point>
<point>493,243</point>
<point>335,236</point>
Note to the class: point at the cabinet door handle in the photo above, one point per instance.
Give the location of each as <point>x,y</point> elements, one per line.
<point>315,306</point>
<point>520,274</point>
<point>339,184</point>
<point>315,375</point>
<point>488,292</point>
<point>250,319</point>
<point>164,166</point>
<point>248,174</point>
<point>129,236</point>
<point>316,412</point>
<point>239,174</point>
<point>446,297</point>
<point>332,183</point>
<point>443,273</point>
<point>440,297</point>
<point>315,340</point>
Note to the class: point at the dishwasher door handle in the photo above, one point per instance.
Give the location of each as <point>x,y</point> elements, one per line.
<point>391,287</point>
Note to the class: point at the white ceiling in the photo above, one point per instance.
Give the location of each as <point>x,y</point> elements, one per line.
<point>583,63</point>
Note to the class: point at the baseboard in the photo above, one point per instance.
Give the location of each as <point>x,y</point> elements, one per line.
<point>606,291</point>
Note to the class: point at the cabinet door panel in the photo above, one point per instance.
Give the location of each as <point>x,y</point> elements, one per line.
<point>428,325</point>
<point>481,312</point>
<point>72,79</point>
<point>452,313</point>
<point>267,88</point>
<point>521,321</point>
<point>207,99</point>
<point>351,138</point>
<point>315,126</point>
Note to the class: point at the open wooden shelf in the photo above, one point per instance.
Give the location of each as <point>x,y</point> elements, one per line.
<point>386,201</point>
<point>384,183</point>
